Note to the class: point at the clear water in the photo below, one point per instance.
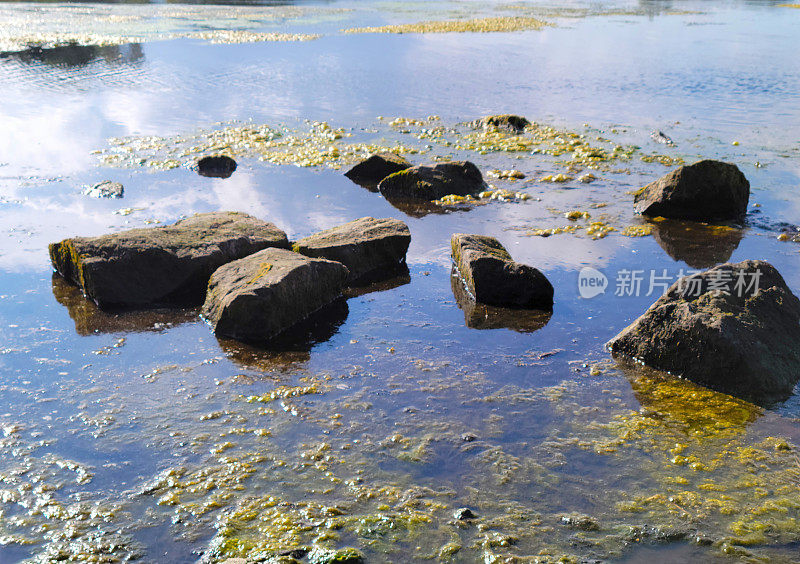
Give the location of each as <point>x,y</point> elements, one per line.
<point>405,374</point>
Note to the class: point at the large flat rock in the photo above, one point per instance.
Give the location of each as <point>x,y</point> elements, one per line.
<point>161,265</point>
<point>366,246</point>
<point>493,278</point>
<point>704,191</point>
<point>426,182</point>
<point>259,297</point>
<point>734,328</point>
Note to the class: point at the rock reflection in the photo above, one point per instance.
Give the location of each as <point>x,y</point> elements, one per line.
<point>697,244</point>
<point>90,319</point>
<point>482,316</point>
<point>379,282</point>
<point>73,56</point>
<point>420,208</point>
<point>693,407</point>
<point>293,347</point>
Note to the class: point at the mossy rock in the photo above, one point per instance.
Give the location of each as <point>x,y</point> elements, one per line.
<point>168,265</point>
<point>346,555</point>
<point>734,328</point>
<point>366,246</point>
<point>493,278</point>
<point>426,182</point>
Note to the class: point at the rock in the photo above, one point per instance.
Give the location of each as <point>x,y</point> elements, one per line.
<point>216,166</point>
<point>161,265</point>
<point>376,167</point>
<point>464,513</point>
<point>510,122</point>
<point>105,189</point>
<point>580,521</point>
<point>482,316</point>
<point>366,246</point>
<point>425,182</point>
<point>743,342</point>
<point>704,191</point>
<point>493,278</point>
<point>663,138</point>
<point>346,555</point>
<point>259,297</point>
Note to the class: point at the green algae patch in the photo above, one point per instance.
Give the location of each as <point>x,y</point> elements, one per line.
<point>477,25</point>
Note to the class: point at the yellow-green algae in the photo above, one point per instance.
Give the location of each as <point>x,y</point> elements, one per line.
<point>476,25</point>
<point>317,145</point>
<point>320,463</point>
<point>55,25</point>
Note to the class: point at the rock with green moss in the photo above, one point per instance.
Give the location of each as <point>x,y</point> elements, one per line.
<point>346,555</point>
<point>368,247</point>
<point>263,295</point>
<point>375,168</point>
<point>734,328</point>
<point>704,191</point>
<point>509,122</point>
<point>492,277</point>
<point>426,182</point>
<point>167,265</point>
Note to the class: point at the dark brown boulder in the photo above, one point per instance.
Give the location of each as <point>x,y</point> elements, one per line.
<point>366,246</point>
<point>704,191</point>
<point>375,168</point>
<point>426,182</point>
<point>261,296</point>
<point>734,328</point>
<point>492,277</point>
<point>216,166</point>
<point>483,316</point>
<point>161,265</point>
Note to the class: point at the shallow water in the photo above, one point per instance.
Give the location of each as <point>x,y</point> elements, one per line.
<point>130,435</point>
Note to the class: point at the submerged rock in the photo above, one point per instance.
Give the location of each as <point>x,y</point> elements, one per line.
<point>346,555</point>
<point>580,522</point>
<point>510,122</point>
<point>661,137</point>
<point>105,189</point>
<point>734,328</point>
<point>259,297</point>
<point>366,246</point>
<point>704,191</point>
<point>426,182</point>
<point>377,167</point>
<point>493,278</point>
<point>161,265</point>
<point>216,166</point>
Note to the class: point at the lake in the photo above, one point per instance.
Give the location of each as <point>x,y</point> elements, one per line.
<point>140,436</point>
